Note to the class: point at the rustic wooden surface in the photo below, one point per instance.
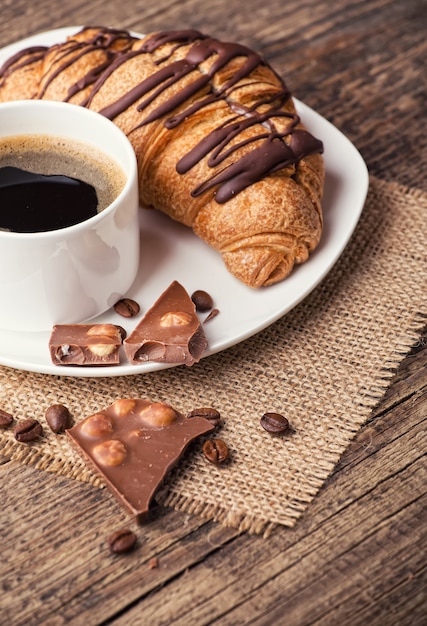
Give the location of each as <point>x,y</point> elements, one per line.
<point>358,555</point>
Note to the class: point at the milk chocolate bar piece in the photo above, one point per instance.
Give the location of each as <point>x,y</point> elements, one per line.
<point>85,344</point>
<point>132,444</point>
<point>170,332</point>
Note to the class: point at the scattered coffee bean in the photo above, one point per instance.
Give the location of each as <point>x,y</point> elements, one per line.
<point>153,563</point>
<point>58,418</point>
<point>216,451</point>
<point>274,423</point>
<point>127,307</point>
<point>211,315</point>
<point>202,300</point>
<point>208,413</point>
<point>28,430</point>
<point>122,541</point>
<point>6,419</point>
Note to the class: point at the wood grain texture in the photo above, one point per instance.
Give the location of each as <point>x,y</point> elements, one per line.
<point>361,65</point>
<point>358,555</point>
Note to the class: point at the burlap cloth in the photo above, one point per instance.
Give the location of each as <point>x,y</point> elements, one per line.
<point>324,365</point>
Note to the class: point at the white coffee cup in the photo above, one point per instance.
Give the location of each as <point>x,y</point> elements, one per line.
<point>75,273</point>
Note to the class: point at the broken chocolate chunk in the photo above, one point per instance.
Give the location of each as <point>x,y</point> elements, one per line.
<point>85,344</point>
<point>132,444</point>
<point>170,332</point>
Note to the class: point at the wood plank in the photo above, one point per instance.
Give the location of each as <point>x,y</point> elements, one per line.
<point>358,555</point>
<point>70,562</point>
<point>296,581</point>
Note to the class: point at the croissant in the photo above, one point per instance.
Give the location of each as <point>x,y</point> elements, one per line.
<point>219,145</point>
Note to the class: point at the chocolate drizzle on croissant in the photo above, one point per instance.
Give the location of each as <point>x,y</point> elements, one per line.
<point>226,116</point>
<point>271,155</point>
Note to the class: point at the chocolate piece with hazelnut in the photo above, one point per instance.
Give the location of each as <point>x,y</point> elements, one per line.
<point>132,444</point>
<point>170,331</point>
<point>85,344</point>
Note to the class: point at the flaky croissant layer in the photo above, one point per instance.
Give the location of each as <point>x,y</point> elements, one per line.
<point>218,141</point>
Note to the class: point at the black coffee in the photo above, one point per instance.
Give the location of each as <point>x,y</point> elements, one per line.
<point>38,202</point>
<point>48,183</point>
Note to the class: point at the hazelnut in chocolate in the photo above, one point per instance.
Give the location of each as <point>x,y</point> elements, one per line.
<point>170,332</point>
<point>85,344</point>
<point>132,444</point>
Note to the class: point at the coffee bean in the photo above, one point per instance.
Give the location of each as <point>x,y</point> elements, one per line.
<point>28,430</point>
<point>127,307</point>
<point>274,423</point>
<point>6,419</point>
<point>202,300</point>
<point>216,451</point>
<point>58,418</point>
<point>122,541</point>
<point>208,413</point>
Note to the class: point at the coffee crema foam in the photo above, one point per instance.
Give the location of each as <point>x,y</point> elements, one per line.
<point>55,155</point>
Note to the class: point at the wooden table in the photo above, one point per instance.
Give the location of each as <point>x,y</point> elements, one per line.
<point>362,66</point>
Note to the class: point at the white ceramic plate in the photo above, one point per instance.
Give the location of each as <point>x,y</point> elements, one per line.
<point>171,251</point>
